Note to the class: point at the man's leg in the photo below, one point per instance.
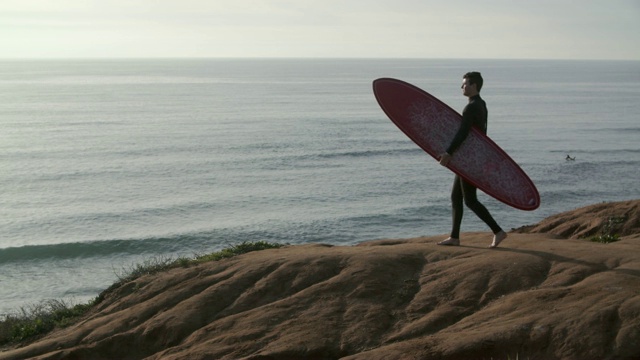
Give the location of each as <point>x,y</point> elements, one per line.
<point>471,200</point>
<point>457,209</point>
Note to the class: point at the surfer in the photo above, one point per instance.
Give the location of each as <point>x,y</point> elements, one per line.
<point>473,115</point>
<point>569,158</point>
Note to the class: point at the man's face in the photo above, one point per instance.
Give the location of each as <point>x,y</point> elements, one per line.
<point>468,89</point>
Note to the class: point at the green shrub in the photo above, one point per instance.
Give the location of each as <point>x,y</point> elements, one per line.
<point>234,250</point>
<point>37,320</point>
<point>608,235</point>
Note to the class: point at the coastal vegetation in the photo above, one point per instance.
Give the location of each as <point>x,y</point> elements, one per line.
<point>33,321</point>
<point>609,232</point>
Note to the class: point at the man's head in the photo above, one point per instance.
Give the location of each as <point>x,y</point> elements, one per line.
<point>471,83</point>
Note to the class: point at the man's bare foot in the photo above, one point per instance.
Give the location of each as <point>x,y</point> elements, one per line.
<point>450,242</point>
<point>497,239</point>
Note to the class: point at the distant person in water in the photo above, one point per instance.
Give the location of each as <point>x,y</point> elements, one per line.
<point>473,115</point>
<point>569,158</point>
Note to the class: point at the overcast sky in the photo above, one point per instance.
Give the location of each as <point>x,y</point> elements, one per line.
<point>510,29</point>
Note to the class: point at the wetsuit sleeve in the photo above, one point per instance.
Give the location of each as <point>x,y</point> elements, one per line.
<point>463,131</point>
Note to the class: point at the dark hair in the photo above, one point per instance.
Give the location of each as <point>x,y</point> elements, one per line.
<point>474,77</point>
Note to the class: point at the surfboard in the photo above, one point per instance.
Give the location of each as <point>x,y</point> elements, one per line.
<point>432,124</point>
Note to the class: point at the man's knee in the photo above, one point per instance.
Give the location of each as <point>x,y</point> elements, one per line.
<point>471,203</point>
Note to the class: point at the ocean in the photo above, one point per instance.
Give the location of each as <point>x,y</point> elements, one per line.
<point>107,163</point>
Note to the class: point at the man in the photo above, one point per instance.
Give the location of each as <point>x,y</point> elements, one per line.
<point>473,115</point>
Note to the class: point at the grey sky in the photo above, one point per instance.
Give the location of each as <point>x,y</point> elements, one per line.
<point>540,29</point>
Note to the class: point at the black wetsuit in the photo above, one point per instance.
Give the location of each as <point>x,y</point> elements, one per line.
<point>473,115</point>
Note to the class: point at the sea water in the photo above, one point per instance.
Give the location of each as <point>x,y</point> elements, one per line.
<point>107,163</point>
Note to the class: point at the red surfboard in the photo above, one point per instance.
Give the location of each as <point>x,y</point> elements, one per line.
<point>432,124</point>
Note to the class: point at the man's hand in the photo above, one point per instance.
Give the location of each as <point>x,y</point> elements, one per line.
<point>444,159</point>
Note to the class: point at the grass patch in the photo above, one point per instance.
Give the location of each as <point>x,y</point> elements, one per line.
<point>608,233</point>
<point>605,239</point>
<point>235,250</point>
<point>37,320</point>
<point>155,265</point>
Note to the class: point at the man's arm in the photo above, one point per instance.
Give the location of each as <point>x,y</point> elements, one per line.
<point>463,131</point>
<point>458,139</point>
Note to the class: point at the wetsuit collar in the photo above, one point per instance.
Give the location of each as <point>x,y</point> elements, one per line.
<point>474,97</point>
